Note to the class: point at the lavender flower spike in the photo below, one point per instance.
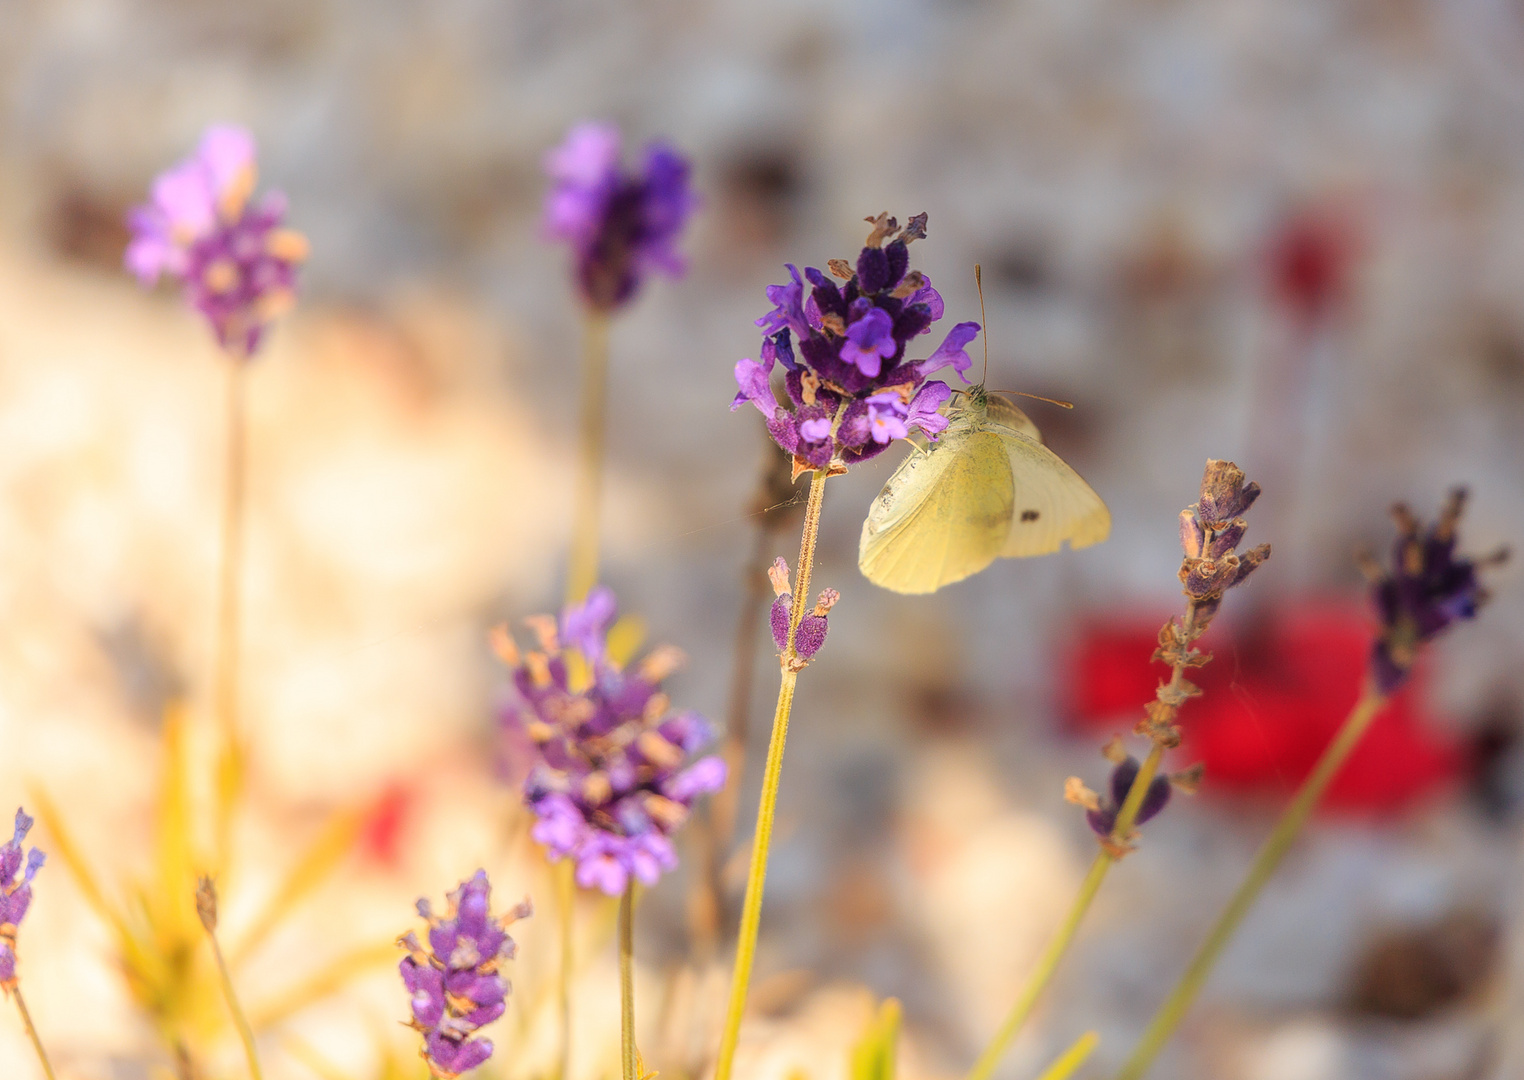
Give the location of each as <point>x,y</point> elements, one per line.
<point>852,389</point>
<point>1426,590</point>
<point>232,256</point>
<point>621,226</point>
<point>455,983</point>
<point>613,771</point>
<point>811,633</point>
<point>15,895</point>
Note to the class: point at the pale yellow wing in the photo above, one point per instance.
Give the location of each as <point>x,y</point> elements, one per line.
<point>1052,502</point>
<point>942,516</point>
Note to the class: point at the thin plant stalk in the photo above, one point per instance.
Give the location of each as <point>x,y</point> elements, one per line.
<point>582,564</point>
<point>566,902</point>
<point>1168,1018</point>
<point>229,596</point>
<point>31,1030</point>
<point>751,907</point>
<point>627,1055</point>
<point>240,1021</point>
<point>1038,981</point>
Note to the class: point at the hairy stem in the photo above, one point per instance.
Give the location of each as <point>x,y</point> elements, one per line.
<point>627,1055</point>
<point>1168,1018</point>
<point>1127,814</point>
<point>245,1032</point>
<point>230,580</point>
<point>582,564</point>
<point>31,1030</point>
<point>751,906</point>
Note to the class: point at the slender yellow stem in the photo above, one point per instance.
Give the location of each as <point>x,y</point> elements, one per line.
<point>226,673</point>
<point>751,906</point>
<point>627,1064</point>
<point>31,1030</point>
<point>582,565</point>
<point>1265,863</point>
<point>566,904</point>
<point>245,1032</point>
<point>1071,1059</point>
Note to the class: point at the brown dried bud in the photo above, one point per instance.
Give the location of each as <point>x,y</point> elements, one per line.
<point>1207,578</point>
<point>827,600</point>
<point>909,285</point>
<point>1224,495</point>
<point>1192,535</point>
<point>884,227</point>
<point>1077,793</point>
<point>1188,781</point>
<point>206,903</point>
<point>842,269</point>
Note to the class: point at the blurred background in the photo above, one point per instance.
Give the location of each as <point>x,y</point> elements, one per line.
<point>1288,233</point>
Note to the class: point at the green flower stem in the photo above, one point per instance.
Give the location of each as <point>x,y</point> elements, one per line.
<point>31,1030</point>
<point>1265,863</point>
<point>582,565</point>
<point>229,597</point>
<point>1059,946</point>
<point>627,1055</point>
<point>245,1032</point>
<point>751,907</point>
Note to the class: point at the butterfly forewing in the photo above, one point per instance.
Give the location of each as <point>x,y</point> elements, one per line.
<point>942,516</point>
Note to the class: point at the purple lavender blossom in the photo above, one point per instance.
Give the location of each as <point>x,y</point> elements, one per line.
<point>811,632</point>
<point>1102,817</point>
<point>621,226</point>
<point>1210,532</point>
<point>614,773</point>
<point>1426,590</point>
<point>15,895</point>
<point>233,258</point>
<point>851,390</point>
<point>455,983</point>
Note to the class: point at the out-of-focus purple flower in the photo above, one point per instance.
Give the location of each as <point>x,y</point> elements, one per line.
<point>614,771</point>
<point>851,390</point>
<point>1102,817</point>
<point>455,982</point>
<point>233,257</point>
<point>811,632</point>
<point>621,226</point>
<point>15,894</point>
<point>1426,589</point>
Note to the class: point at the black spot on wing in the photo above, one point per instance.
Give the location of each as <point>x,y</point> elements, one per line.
<point>1029,515</point>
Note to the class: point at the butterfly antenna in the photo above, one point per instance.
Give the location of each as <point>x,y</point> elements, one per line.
<point>985,336</point>
<point>1062,404</point>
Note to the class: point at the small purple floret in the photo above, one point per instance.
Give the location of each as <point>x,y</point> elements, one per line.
<point>851,389</point>
<point>454,985</point>
<point>15,894</point>
<point>1427,589</point>
<point>614,773</point>
<point>620,226</point>
<point>232,256</point>
<point>1103,819</point>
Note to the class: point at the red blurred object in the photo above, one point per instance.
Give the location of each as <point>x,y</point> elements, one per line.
<point>381,835</point>
<point>1274,695</point>
<point>1310,258</point>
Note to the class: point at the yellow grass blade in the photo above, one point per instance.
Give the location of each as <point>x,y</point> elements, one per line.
<point>325,981</point>
<point>1072,1058</point>
<point>319,861</point>
<point>874,1057</point>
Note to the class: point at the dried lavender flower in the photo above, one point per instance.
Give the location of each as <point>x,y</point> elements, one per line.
<point>615,773</point>
<point>811,632</point>
<point>456,985</point>
<point>851,390</point>
<point>1426,590</point>
<point>621,226</point>
<point>15,894</point>
<point>233,256</point>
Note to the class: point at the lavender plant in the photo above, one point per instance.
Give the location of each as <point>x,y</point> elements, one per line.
<point>615,774</point>
<point>850,390</point>
<point>1425,589</point>
<point>236,263</point>
<point>456,983</point>
<point>206,910</point>
<point>621,227</point>
<point>15,899</point>
<point>1210,531</point>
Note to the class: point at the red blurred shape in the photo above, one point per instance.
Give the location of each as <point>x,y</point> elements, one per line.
<point>1310,258</point>
<point>381,835</point>
<point>1275,694</point>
